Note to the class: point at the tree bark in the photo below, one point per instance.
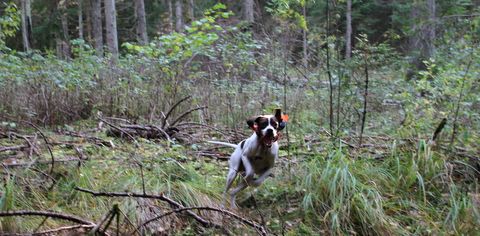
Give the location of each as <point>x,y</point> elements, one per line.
<point>179,15</point>
<point>170,15</point>
<point>304,38</point>
<point>191,12</point>
<point>248,11</point>
<point>111,27</point>
<point>430,29</point>
<point>80,19</point>
<point>141,22</point>
<point>97,29</point>
<point>26,24</point>
<point>348,34</point>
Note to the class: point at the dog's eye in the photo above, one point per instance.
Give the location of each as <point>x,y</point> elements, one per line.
<point>274,123</point>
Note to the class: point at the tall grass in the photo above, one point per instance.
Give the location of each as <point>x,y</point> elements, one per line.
<point>402,194</point>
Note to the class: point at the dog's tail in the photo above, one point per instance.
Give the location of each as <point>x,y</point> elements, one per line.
<point>224,144</point>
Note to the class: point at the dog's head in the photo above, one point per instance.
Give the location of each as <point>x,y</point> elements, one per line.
<point>267,127</point>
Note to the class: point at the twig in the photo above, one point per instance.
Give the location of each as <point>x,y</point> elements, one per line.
<point>454,130</point>
<point>48,146</point>
<point>50,214</point>
<point>171,109</point>
<point>223,211</point>
<point>161,197</point>
<point>185,114</point>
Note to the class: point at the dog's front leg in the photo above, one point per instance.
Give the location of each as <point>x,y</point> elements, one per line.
<point>249,173</point>
<point>262,178</point>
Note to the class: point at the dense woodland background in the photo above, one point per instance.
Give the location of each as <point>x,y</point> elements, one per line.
<point>105,107</point>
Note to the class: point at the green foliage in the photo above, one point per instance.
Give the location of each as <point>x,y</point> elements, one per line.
<point>9,22</point>
<point>286,9</point>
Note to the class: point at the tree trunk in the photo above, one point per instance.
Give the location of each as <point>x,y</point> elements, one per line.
<point>305,42</point>
<point>348,35</point>
<point>80,19</point>
<point>111,27</point>
<point>97,29</point>
<point>26,24</point>
<point>430,29</point>
<point>248,11</point>
<point>191,13</point>
<point>179,15</point>
<point>64,20</point>
<point>88,21</point>
<point>170,16</point>
<point>141,22</point>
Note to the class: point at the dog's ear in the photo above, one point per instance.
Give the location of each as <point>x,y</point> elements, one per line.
<point>281,122</point>
<point>252,122</point>
<point>278,114</point>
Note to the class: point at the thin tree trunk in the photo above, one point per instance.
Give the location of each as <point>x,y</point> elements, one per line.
<point>88,21</point>
<point>365,101</point>
<point>111,27</point>
<point>430,29</point>
<point>97,31</point>
<point>179,15</point>
<point>304,38</point>
<point>248,11</point>
<point>191,13</point>
<point>141,22</point>
<point>26,24</point>
<point>80,19</point>
<point>329,73</point>
<point>64,20</point>
<point>348,34</point>
<point>170,15</point>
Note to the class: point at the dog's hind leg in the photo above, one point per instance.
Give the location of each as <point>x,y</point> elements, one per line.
<point>230,178</point>
<point>241,186</point>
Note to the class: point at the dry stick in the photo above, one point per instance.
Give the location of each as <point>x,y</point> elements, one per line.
<point>199,219</point>
<point>454,130</point>
<point>223,211</point>
<point>102,220</point>
<point>58,230</point>
<point>48,146</point>
<point>171,110</point>
<point>130,222</point>
<point>180,117</point>
<point>439,129</point>
<point>365,96</point>
<point>50,214</point>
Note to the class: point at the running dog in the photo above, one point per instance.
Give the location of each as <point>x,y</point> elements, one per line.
<point>255,155</point>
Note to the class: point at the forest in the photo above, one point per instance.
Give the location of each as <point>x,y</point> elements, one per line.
<point>108,110</point>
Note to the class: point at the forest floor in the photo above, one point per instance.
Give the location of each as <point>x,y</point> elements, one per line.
<point>394,186</point>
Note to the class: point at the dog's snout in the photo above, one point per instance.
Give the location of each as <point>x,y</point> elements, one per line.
<point>269,131</point>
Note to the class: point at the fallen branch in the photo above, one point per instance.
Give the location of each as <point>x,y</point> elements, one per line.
<point>50,214</point>
<point>13,148</point>
<point>57,231</point>
<point>223,211</point>
<point>161,197</point>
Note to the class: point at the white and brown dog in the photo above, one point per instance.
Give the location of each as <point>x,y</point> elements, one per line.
<point>255,155</point>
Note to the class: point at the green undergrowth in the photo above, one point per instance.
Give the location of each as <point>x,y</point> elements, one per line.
<point>417,190</point>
